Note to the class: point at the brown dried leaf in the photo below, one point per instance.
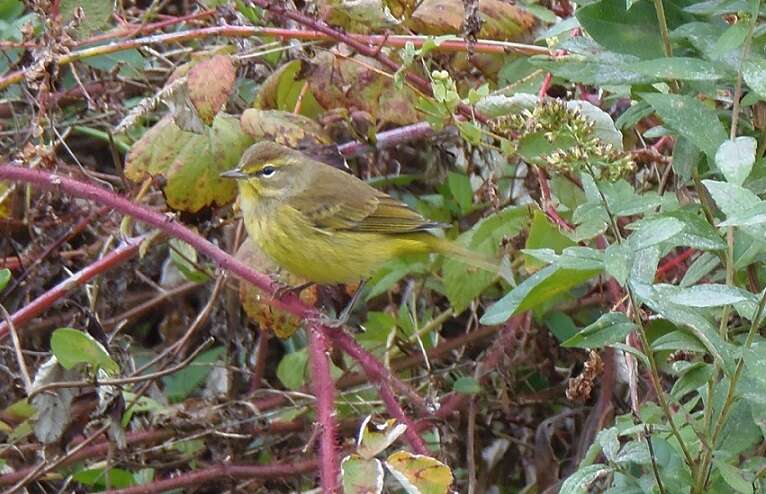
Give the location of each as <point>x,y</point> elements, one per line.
<point>210,83</point>
<point>356,83</point>
<point>500,20</point>
<point>285,128</point>
<point>282,323</point>
<point>580,387</point>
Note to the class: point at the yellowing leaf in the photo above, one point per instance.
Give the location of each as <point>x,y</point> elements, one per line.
<point>374,438</point>
<point>420,474</point>
<point>190,163</point>
<point>210,83</point>
<point>361,476</point>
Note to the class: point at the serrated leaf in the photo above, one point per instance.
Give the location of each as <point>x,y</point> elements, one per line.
<point>690,118</point>
<point>373,437</point>
<point>360,476</point>
<point>611,327</point>
<point>735,158</point>
<point>420,474</point>
<point>72,347</point>
<point>190,163</point>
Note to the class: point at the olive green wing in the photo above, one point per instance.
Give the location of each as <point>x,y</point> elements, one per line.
<point>339,201</point>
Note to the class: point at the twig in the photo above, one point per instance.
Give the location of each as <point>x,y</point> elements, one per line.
<point>122,380</point>
<point>454,45</point>
<point>324,390</point>
<point>44,301</point>
<point>17,348</point>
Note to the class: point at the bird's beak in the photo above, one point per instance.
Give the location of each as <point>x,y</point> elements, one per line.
<point>235,173</point>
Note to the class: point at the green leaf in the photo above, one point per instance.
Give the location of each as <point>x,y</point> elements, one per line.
<point>691,119</point>
<point>466,385</point>
<point>754,73</point>
<point>633,31</point>
<point>460,187</point>
<point>611,327</point>
<point>180,385</point>
<point>678,68</point>
<point>709,295</point>
<point>580,481</point>
<point>291,370</point>
<point>118,478</point>
<point>618,259</point>
<point>483,238</point>
<point>735,158</point>
<point>731,39</point>
<point>733,476</point>
<point>686,157</point>
<point>72,347</point>
<point>96,13</point>
<point>361,476</point>
<point>5,277</point>
<point>131,63</point>
<point>678,340</point>
<point>535,290</point>
<point>693,378</point>
<point>544,234</point>
<point>654,232</point>
<point>184,257</point>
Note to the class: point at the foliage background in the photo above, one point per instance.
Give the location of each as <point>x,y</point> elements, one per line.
<point>610,152</point>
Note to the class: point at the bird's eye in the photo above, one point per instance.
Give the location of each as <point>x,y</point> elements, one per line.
<point>267,171</point>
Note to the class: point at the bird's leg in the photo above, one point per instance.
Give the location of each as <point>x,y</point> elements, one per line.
<point>283,290</point>
<point>346,312</point>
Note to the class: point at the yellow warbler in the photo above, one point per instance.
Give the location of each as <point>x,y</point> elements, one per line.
<point>325,225</point>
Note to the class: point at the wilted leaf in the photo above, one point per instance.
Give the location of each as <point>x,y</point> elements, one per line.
<point>500,20</point>
<point>345,83</point>
<point>210,83</point>
<point>72,347</point>
<point>374,438</point>
<point>255,303</point>
<point>361,476</point>
<point>288,129</point>
<point>420,474</point>
<point>53,409</point>
<point>190,163</point>
<point>96,13</point>
<point>360,16</point>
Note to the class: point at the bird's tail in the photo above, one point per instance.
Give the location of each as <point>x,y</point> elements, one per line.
<point>454,250</point>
